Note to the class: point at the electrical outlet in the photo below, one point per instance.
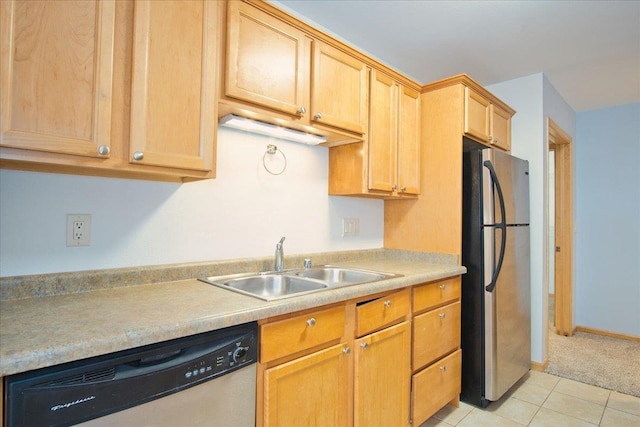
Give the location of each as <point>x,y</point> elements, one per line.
<point>78,230</point>
<point>350,227</point>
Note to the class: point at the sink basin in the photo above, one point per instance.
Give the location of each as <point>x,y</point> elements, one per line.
<point>268,287</point>
<point>339,276</point>
<point>273,285</point>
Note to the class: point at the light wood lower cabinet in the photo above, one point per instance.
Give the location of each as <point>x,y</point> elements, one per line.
<point>311,390</point>
<point>317,368</point>
<point>382,377</point>
<point>436,386</point>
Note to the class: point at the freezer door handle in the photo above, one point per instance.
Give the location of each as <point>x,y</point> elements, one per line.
<point>500,225</point>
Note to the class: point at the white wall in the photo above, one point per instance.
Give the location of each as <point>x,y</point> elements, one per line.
<point>607,168</point>
<point>242,213</point>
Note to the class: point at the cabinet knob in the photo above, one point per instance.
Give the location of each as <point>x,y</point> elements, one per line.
<point>311,322</point>
<point>394,187</point>
<point>443,368</point>
<point>318,116</point>
<point>404,188</point>
<point>490,138</point>
<point>138,155</point>
<point>301,111</point>
<point>104,150</point>
<point>442,287</point>
<point>442,315</point>
<point>346,351</point>
<point>364,345</point>
<point>387,303</point>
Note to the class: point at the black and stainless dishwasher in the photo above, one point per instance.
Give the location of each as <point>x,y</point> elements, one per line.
<point>205,379</point>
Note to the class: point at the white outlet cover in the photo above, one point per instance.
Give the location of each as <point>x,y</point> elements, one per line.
<point>78,229</point>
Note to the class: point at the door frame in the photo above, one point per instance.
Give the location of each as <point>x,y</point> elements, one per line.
<point>562,143</point>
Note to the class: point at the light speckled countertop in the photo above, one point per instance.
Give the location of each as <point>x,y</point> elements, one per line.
<point>47,330</point>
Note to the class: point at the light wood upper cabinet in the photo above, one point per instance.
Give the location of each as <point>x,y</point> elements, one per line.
<point>57,70</point>
<point>268,61</point>
<point>387,164</point>
<point>382,377</point>
<point>486,122</point>
<point>173,96</point>
<point>340,89</point>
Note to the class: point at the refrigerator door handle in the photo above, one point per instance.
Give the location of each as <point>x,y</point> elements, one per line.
<point>500,225</point>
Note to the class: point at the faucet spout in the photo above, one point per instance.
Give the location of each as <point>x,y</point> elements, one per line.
<point>279,261</point>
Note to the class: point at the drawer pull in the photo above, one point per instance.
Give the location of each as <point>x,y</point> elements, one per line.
<point>387,303</point>
<point>364,345</point>
<point>346,351</point>
<point>443,368</point>
<point>442,287</point>
<point>311,322</point>
<point>442,315</point>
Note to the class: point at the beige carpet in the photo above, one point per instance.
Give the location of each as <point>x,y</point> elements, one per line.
<point>605,362</point>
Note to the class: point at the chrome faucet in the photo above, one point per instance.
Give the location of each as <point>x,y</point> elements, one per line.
<point>279,262</point>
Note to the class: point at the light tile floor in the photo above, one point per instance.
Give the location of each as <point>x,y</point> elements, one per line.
<point>543,400</point>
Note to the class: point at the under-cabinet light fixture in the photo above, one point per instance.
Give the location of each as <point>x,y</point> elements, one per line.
<point>255,126</point>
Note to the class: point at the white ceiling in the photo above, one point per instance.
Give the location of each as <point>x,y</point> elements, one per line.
<point>589,50</point>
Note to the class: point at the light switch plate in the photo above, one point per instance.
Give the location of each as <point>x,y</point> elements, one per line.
<point>350,227</point>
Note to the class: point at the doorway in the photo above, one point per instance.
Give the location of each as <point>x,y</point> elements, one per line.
<point>561,255</point>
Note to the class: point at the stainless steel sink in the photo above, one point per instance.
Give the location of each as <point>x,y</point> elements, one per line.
<point>268,287</point>
<point>271,286</point>
<point>340,276</point>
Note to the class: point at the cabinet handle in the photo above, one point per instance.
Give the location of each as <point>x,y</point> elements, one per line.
<point>364,345</point>
<point>104,150</point>
<point>443,368</point>
<point>138,155</point>
<point>387,303</point>
<point>301,111</point>
<point>346,350</point>
<point>442,315</point>
<point>311,322</point>
<point>442,287</point>
<point>318,116</point>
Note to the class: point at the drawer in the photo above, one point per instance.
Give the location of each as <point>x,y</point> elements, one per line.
<point>435,386</point>
<point>384,311</point>
<point>436,293</point>
<point>435,333</point>
<point>301,332</point>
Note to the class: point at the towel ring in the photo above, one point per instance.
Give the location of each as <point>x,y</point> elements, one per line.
<point>272,150</point>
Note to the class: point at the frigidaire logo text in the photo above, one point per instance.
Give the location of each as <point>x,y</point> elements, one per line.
<point>69,404</point>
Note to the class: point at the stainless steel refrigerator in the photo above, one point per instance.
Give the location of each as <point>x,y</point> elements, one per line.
<point>496,299</point>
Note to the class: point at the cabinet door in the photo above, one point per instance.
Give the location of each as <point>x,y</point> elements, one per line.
<point>309,391</point>
<point>173,94</point>
<point>409,142</point>
<point>382,377</point>
<point>476,116</point>
<point>268,61</point>
<point>383,132</point>
<point>339,89</point>
<point>56,65</point>
<point>500,128</point>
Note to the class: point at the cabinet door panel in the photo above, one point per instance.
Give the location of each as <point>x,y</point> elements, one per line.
<point>57,69</point>
<point>268,61</point>
<point>383,132</point>
<point>310,391</point>
<point>409,142</point>
<point>173,96</point>
<point>382,378</point>
<point>435,386</point>
<point>339,89</point>
<point>435,334</point>
<point>476,117</point>
<point>500,128</point>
